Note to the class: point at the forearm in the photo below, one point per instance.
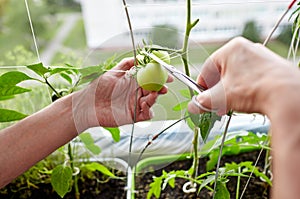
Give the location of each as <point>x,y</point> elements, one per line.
<point>284,113</point>
<point>35,137</point>
<point>286,158</point>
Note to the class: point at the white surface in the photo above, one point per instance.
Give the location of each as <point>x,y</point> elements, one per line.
<point>176,140</point>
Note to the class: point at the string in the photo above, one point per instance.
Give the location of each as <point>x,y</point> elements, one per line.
<point>32,31</point>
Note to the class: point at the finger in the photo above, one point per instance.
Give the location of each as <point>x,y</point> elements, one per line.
<point>213,100</point>
<point>164,90</point>
<point>210,73</point>
<point>145,113</point>
<point>125,64</point>
<point>149,99</point>
<point>170,79</point>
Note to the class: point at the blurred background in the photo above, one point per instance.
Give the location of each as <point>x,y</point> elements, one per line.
<point>88,32</point>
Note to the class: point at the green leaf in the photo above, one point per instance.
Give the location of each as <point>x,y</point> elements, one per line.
<point>205,122</point>
<point>180,106</point>
<point>155,187</point>
<point>2,98</point>
<point>222,191</point>
<point>90,73</point>
<point>256,172</point>
<point>95,166</point>
<point>13,78</point>
<point>66,77</point>
<point>208,180</point>
<point>59,70</point>
<point>89,143</point>
<point>10,115</point>
<point>213,159</point>
<point>115,133</point>
<point>185,94</point>
<point>61,179</point>
<point>39,69</point>
<point>12,90</point>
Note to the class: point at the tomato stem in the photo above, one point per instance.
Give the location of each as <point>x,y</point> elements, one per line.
<point>184,57</point>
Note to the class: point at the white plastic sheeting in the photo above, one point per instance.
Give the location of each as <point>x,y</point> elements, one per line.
<point>175,140</point>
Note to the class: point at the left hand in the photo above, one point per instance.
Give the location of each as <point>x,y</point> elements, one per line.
<point>114,99</point>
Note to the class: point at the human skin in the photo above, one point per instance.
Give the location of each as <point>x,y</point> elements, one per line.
<point>247,77</point>
<point>108,101</point>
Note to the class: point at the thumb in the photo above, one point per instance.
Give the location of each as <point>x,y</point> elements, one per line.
<point>211,100</point>
<point>125,64</point>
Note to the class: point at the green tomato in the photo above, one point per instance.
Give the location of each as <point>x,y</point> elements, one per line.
<point>152,77</point>
<point>163,55</point>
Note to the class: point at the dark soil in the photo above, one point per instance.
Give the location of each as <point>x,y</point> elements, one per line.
<point>103,188</point>
<point>255,190</point>
<point>100,188</point>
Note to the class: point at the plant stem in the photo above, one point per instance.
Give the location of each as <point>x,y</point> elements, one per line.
<point>238,184</point>
<point>136,93</point>
<point>75,178</point>
<point>52,88</point>
<point>184,53</point>
<point>184,58</point>
<point>221,152</point>
<point>195,159</point>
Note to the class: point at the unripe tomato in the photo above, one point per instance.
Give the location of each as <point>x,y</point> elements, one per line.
<point>152,77</point>
<point>163,55</point>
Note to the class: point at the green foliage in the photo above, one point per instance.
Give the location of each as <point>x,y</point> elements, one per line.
<point>165,35</point>
<point>222,191</point>
<point>251,32</point>
<point>56,6</point>
<point>8,89</point>
<point>61,179</point>
<point>10,115</point>
<point>95,166</point>
<point>285,35</point>
<point>16,56</point>
<point>235,143</point>
<point>89,143</point>
<point>115,133</point>
<point>69,77</point>
<point>205,122</point>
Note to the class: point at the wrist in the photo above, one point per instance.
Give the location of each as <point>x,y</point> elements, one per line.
<point>83,110</point>
<point>281,95</point>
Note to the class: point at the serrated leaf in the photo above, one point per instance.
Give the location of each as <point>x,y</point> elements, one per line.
<point>115,133</point>
<point>155,187</point>
<point>95,166</point>
<point>39,69</point>
<point>13,78</point>
<point>89,143</point>
<point>7,115</point>
<point>12,90</point>
<point>180,106</point>
<point>221,191</point>
<point>61,179</point>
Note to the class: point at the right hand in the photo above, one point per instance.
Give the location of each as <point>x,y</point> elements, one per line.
<point>240,76</point>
